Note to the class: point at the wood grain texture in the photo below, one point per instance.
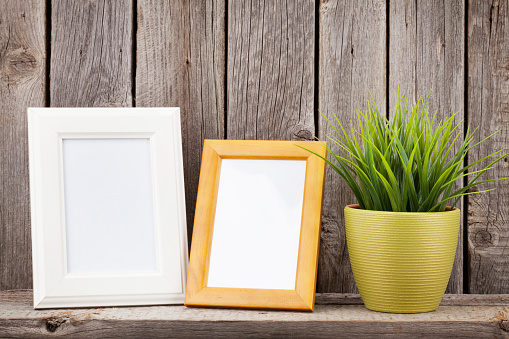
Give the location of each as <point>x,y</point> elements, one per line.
<point>352,64</point>
<point>91,53</point>
<point>18,319</point>
<point>488,109</point>
<point>447,299</point>
<point>22,85</point>
<point>181,62</point>
<point>427,51</point>
<point>271,70</point>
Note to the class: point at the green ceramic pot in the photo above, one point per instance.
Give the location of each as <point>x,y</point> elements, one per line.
<point>401,261</point>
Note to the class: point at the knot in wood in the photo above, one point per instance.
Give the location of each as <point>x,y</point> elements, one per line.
<point>52,324</point>
<point>473,189</point>
<point>504,324</point>
<point>18,64</point>
<point>329,225</point>
<point>304,134</point>
<point>483,238</point>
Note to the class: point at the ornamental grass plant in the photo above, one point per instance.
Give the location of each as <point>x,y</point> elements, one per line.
<point>409,163</point>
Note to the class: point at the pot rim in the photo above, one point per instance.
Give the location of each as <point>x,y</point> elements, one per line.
<point>357,207</point>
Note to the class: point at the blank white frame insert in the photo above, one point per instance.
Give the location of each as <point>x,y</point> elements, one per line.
<point>246,188</point>
<point>109,211</point>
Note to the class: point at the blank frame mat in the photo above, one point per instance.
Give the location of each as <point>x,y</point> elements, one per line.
<point>256,233</point>
<point>109,213</point>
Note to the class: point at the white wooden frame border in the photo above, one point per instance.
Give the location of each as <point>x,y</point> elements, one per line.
<point>53,286</point>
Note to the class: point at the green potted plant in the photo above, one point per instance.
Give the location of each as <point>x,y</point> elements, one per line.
<point>402,234</point>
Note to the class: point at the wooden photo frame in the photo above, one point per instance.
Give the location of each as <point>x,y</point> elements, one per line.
<point>107,206</point>
<point>257,225</point>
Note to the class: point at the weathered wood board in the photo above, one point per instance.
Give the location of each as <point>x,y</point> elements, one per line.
<point>427,51</point>
<point>270,70</point>
<point>352,60</point>
<point>447,300</point>
<point>91,53</point>
<point>488,109</point>
<point>180,50</point>
<point>260,70</point>
<point>22,85</point>
<point>456,318</point>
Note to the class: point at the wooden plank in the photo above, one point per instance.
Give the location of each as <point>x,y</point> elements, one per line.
<point>181,62</point>
<point>271,70</point>
<point>426,50</point>
<point>18,319</point>
<point>22,85</point>
<point>91,53</point>
<point>488,109</point>
<point>447,300</point>
<point>352,63</point>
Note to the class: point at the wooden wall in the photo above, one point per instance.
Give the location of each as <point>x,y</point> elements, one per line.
<point>252,69</point>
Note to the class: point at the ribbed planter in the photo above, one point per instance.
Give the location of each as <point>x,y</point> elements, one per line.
<point>401,261</point>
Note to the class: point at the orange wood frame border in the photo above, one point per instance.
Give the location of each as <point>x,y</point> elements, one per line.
<point>303,297</point>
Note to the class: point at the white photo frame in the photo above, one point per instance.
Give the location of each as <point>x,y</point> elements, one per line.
<point>107,207</point>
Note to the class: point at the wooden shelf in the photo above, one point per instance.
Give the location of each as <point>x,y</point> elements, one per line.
<point>336,315</point>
